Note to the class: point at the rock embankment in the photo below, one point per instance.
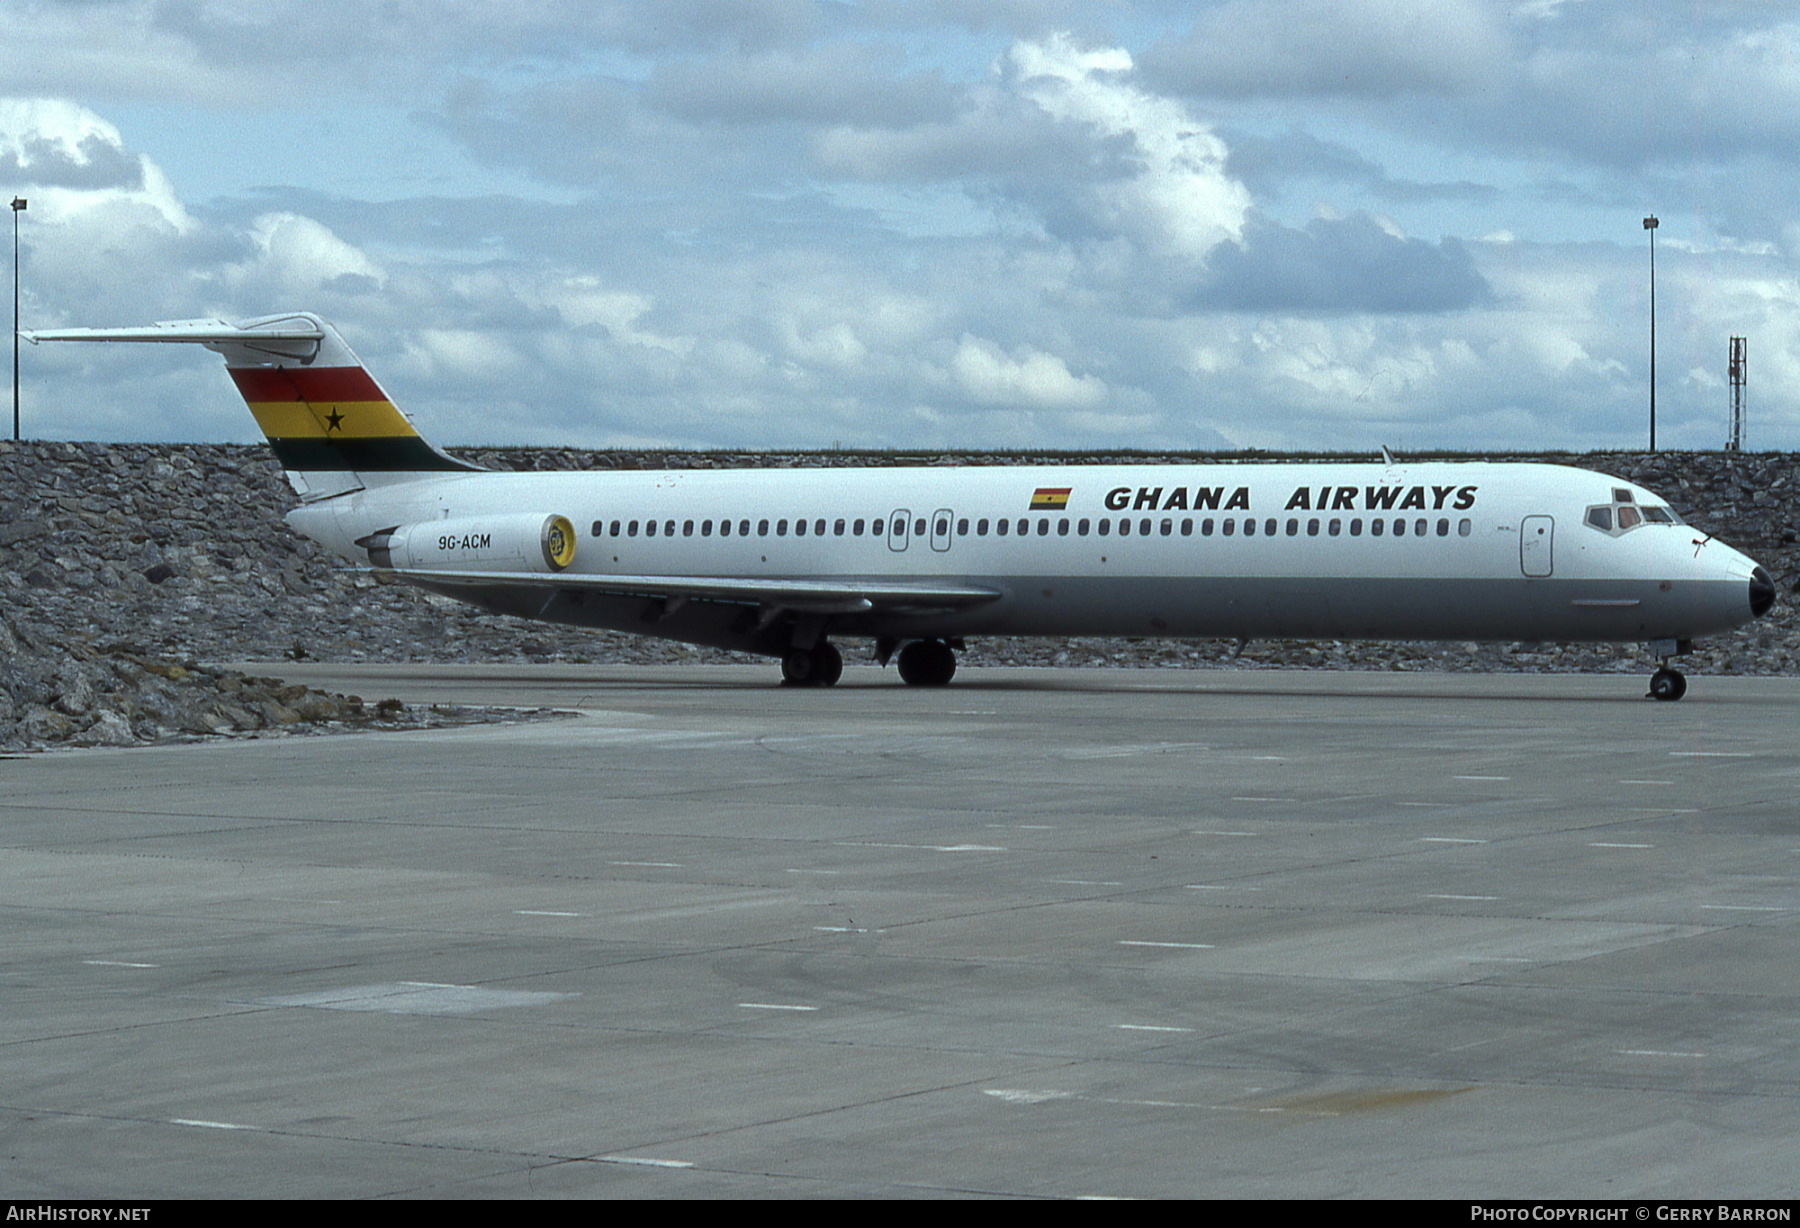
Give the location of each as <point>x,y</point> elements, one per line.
<point>123,556</point>
<point>66,689</point>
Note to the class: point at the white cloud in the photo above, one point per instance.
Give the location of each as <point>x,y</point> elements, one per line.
<point>1028,377</point>
<point>46,143</point>
<point>1180,197</point>
<point>582,300</point>
<point>298,256</point>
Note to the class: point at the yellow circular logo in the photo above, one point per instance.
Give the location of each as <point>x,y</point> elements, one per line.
<point>559,542</point>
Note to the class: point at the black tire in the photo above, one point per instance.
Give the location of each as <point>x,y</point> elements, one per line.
<point>797,668</point>
<point>820,665</point>
<point>1668,685</point>
<point>828,664</point>
<point>927,663</point>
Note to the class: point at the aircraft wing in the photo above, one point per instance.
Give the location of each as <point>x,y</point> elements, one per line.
<point>847,596</point>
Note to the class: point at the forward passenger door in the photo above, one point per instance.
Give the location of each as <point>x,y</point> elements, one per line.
<point>1537,546</point>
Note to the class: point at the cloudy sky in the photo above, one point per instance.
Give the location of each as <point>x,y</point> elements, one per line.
<point>1284,224</point>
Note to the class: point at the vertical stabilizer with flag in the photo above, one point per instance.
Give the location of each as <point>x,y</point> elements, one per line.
<point>332,427</point>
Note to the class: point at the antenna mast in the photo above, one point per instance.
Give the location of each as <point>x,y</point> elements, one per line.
<point>1735,442</point>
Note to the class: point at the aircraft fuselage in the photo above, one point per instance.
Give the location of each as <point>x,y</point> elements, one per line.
<point>1250,551</point>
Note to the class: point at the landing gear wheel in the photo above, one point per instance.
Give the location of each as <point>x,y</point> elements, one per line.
<point>828,664</point>
<point>820,665</point>
<point>927,663</point>
<point>1668,684</point>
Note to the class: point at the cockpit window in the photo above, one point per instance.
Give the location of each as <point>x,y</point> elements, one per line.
<point>1625,513</point>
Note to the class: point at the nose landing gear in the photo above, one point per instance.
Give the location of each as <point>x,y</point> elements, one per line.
<point>1668,683</point>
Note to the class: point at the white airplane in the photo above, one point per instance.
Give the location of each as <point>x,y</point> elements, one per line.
<point>779,562</point>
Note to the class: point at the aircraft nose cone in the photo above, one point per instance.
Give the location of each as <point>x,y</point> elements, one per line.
<point>1762,592</point>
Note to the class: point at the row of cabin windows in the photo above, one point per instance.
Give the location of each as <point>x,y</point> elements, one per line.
<point>1105,527</point>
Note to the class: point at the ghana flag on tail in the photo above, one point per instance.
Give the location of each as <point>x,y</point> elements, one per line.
<point>321,411</point>
<point>334,418</point>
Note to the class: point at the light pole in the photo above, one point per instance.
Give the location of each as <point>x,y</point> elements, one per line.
<point>1650,224</point>
<point>18,207</point>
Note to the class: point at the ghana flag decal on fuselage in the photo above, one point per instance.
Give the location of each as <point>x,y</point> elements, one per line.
<point>1051,499</point>
<point>334,418</point>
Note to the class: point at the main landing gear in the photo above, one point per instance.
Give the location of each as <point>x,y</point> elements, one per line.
<point>921,663</point>
<point>927,663</point>
<point>820,665</point>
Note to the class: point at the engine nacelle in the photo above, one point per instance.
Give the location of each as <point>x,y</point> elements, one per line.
<point>520,541</point>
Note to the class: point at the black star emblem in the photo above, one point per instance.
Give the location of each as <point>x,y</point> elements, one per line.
<point>333,420</point>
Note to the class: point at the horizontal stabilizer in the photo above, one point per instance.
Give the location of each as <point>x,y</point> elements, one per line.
<point>198,332</point>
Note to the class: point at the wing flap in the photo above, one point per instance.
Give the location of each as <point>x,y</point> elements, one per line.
<point>818,596</point>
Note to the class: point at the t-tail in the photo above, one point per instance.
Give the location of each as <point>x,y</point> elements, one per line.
<point>332,427</point>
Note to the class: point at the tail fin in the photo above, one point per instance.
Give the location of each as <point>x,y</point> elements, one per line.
<point>328,421</point>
